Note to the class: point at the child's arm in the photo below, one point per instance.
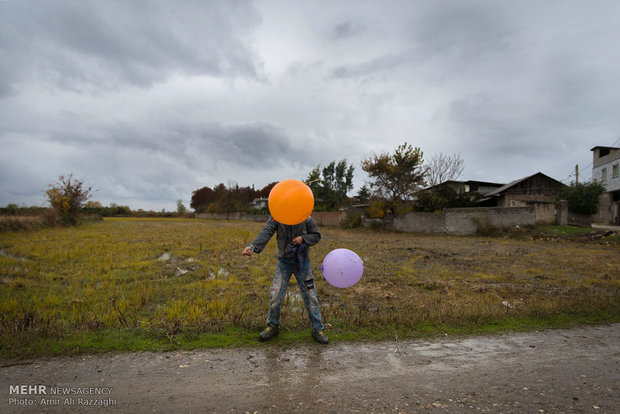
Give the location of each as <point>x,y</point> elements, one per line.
<point>314,235</point>
<point>262,239</point>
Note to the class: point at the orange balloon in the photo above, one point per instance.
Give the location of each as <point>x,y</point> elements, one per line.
<point>291,202</point>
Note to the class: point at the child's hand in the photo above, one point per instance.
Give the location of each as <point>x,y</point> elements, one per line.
<point>248,251</point>
<point>297,241</point>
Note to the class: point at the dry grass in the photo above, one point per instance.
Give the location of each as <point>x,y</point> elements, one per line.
<point>169,277</point>
<point>17,223</point>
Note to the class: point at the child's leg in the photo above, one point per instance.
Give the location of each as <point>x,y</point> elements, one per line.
<point>305,280</point>
<point>278,291</point>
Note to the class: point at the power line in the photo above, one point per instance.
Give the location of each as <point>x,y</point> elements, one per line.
<point>589,165</point>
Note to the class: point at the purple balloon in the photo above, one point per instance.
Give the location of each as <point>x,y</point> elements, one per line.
<point>342,268</point>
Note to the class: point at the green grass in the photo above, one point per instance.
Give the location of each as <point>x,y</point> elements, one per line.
<point>563,230</point>
<point>128,339</point>
<point>165,284</point>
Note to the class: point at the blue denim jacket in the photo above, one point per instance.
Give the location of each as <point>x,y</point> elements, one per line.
<point>308,230</point>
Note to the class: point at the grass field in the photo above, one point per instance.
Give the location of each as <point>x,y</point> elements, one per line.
<point>161,284</point>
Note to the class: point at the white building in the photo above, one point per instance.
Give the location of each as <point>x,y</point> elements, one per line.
<point>606,170</point>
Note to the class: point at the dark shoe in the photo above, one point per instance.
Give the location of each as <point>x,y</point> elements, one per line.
<point>320,337</point>
<point>269,332</point>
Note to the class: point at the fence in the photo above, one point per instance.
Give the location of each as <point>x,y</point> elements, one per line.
<point>463,221</point>
<point>322,218</point>
<point>458,221</point>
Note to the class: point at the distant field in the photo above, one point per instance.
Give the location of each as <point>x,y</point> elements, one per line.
<point>154,284</point>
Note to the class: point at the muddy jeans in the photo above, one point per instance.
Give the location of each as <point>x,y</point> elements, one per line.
<point>303,275</point>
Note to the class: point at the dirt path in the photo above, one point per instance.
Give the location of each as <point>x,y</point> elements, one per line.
<point>562,371</point>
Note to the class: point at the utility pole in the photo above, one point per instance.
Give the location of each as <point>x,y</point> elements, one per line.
<point>577,174</point>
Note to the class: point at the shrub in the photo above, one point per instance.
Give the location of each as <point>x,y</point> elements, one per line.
<point>67,197</point>
<point>377,209</point>
<point>442,197</point>
<point>353,220</point>
<point>583,198</point>
<point>22,223</point>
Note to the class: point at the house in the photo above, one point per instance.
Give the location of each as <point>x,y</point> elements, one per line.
<point>606,170</point>
<point>259,203</point>
<point>534,189</point>
<point>471,186</point>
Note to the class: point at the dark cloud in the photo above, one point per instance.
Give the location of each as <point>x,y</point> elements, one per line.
<point>347,29</point>
<point>250,146</point>
<point>165,160</point>
<point>93,45</point>
<point>463,31</point>
<point>452,36</point>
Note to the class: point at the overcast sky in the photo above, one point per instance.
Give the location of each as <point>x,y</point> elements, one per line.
<point>148,101</point>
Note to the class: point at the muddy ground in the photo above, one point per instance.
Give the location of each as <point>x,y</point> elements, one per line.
<point>555,371</point>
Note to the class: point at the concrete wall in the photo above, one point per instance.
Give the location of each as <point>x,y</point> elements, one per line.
<point>233,216</point>
<point>462,221</point>
<point>328,218</point>
<point>562,213</point>
<point>582,220</point>
<point>545,213</point>
<point>419,223</point>
<point>459,221</point>
<point>605,209</point>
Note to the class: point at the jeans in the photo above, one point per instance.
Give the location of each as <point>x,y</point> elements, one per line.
<point>303,274</point>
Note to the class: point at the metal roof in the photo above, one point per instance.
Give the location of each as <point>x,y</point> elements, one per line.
<point>498,191</point>
<point>602,146</point>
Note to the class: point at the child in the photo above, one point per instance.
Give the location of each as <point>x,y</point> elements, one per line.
<point>293,258</point>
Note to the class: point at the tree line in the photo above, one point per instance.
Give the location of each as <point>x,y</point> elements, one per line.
<point>395,179</point>
<point>227,199</point>
<point>399,181</point>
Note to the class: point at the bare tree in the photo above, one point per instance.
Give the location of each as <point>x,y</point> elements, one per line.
<point>443,167</point>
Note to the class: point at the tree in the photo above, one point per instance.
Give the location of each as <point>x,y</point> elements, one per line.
<point>442,168</point>
<point>67,197</point>
<point>331,185</point>
<point>181,209</point>
<point>201,198</point>
<point>264,192</point>
<point>583,198</point>
<point>227,198</point>
<point>396,177</point>
<point>363,194</point>
<point>443,196</point>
